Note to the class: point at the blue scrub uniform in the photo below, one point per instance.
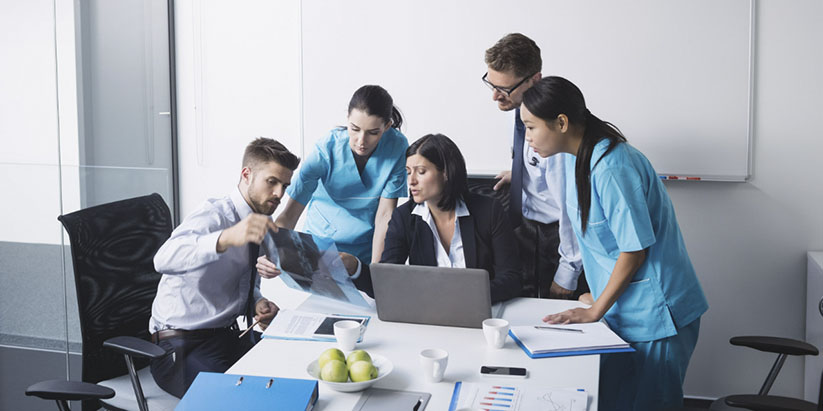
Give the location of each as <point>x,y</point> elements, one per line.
<point>340,203</point>
<point>659,310</point>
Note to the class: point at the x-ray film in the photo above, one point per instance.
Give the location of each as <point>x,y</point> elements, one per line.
<point>312,264</point>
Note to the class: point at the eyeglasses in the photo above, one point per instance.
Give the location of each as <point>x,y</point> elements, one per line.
<point>506,91</point>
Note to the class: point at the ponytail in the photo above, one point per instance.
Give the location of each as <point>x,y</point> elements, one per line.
<point>396,118</point>
<point>596,130</point>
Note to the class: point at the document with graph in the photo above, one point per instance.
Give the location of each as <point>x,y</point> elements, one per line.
<point>515,397</point>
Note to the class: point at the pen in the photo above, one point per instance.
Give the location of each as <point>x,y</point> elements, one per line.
<point>248,329</point>
<point>546,327</point>
<point>417,406</point>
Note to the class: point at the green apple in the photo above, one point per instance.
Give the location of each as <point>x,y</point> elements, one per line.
<point>357,355</point>
<point>362,371</point>
<point>334,371</point>
<point>328,355</point>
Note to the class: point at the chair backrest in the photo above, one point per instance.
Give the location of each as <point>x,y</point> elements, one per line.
<point>485,186</point>
<point>112,251</point>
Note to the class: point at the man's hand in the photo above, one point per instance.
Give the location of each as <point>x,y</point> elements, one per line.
<point>266,268</point>
<point>505,179</point>
<point>251,229</point>
<point>586,298</point>
<point>350,262</point>
<point>558,292</point>
<point>575,315</point>
<point>265,310</point>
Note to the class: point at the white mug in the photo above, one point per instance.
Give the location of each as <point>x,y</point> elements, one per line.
<point>434,362</point>
<point>495,330</point>
<point>347,332</point>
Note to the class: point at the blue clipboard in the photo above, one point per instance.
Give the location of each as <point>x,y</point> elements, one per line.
<point>566,353</point>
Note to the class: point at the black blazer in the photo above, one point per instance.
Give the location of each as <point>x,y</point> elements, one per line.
<point>488,243</point>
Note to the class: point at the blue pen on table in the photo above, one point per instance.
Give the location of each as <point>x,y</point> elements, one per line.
<point>546,327</point>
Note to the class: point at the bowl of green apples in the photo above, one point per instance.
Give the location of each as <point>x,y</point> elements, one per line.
<point>349,373</point>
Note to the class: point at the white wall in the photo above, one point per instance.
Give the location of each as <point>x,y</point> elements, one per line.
<point>238,77</point>
<point>748,241</point>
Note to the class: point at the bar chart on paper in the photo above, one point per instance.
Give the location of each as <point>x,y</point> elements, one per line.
<point>516,397</point>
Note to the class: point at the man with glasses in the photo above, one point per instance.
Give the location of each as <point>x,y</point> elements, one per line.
<point>551,259</point>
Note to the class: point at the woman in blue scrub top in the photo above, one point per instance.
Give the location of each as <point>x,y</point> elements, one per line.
<point>641,278</point>
<point>351,181</point>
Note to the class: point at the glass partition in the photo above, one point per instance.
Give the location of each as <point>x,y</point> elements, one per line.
<point>85,118</point>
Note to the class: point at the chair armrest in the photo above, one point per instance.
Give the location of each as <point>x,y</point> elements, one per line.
<point>68,390</point>
<point>775,345</point>
<point>135,347</point>
<point>769,403</point>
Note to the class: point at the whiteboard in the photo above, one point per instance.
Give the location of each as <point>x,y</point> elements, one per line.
<point>674,76</point>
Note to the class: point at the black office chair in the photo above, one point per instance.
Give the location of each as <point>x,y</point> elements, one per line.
<point>112,250</point>
<point>762,401</point>
<point>485,186</point>
<point>64,391</point>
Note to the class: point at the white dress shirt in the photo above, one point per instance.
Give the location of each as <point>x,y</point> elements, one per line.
<point>454,257</point>
<point>201,288</point>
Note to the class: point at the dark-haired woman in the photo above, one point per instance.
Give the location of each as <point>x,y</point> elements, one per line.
<point>444,225</point>
<point>641,278</point>
<point>350,183</point>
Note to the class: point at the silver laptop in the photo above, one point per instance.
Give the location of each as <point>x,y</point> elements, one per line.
<point>457,297</point>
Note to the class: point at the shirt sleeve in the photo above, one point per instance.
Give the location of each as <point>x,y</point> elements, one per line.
<point>396,185</point>
<point>623,200</point>
<point>313,169</point>
<point>571,262</point>
<point>192,245</point>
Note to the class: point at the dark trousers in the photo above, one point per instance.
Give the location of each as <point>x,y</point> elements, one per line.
<point>538,244</point>
<point>175,372</point>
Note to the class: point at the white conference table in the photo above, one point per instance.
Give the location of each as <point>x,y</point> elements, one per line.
<point>401,343</point>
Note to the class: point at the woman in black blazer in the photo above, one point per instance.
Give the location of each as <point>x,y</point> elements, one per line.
<point>438,189</point>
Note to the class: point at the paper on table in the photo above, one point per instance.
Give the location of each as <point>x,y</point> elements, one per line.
<point>546,340</point>
<point>302,325</point>
<point>514,397</point>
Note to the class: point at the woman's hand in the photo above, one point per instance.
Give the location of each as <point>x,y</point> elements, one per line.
<point>575,315</point>
<point>350,262</point>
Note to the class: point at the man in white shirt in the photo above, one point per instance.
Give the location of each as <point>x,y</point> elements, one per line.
<point>208,272</point>
<point>551,258</point>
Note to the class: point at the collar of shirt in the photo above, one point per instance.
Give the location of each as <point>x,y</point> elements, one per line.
<point>454,257</point>
<point>241,207</point>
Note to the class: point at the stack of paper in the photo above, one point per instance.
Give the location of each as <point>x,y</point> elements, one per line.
<point>547,340</point>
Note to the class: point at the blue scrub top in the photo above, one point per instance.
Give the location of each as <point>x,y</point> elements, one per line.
<point>340,203</point>
<point>631,211</point>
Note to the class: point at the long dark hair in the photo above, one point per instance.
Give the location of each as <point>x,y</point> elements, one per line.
<point>552,96</point>
<point>376,101</point>
<point>444,154</point>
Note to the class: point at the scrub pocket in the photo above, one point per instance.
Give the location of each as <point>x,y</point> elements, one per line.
<point>600,237</point>
<point>317,221</point>
<point>641,313</point>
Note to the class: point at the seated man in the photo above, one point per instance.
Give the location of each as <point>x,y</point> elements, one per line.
<point>207,267</point>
